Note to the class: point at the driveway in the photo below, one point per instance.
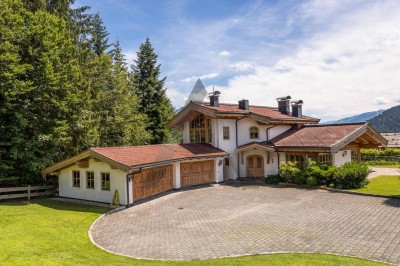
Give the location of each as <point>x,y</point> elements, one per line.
<point>383,171</point>
<point>226,220</point>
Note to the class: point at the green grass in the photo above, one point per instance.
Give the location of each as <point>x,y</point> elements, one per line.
<point>386,185</point>
<point>385,166</point>
<point>47,232</point>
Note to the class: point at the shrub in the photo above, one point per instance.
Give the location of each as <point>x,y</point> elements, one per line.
<point>312,181</point>
<point>273,179</point>
<point>289,170</point>
<point>300,179</point>
<point>380,157</point>
<point>351,175</point>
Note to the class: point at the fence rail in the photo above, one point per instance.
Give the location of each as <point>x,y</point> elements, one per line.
<point>27,192</point>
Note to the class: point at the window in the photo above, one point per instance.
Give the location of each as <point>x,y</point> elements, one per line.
<point>253,133</point>
<point>89,180</point>
<point>105,181</point>
<point>325,158</point>
<point>76,178</point>
<point>226,161</point>
<point>354,157</point>
<point>226,132</point>
<point>200,130</point>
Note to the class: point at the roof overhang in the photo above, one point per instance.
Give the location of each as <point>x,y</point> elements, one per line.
<point>254,146</point>
<point>82,156</point>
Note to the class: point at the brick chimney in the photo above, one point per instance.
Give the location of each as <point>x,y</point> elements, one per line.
<point>297,108</point>
<point>283,104</point>
<point>244,104</point>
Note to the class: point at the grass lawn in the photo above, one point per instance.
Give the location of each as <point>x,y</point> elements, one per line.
<point>47,232</point>
<point>385,166</point>
<point>387,185</point>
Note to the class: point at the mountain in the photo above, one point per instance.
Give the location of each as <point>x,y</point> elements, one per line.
<point>388,121</point>
<point>357,118</point>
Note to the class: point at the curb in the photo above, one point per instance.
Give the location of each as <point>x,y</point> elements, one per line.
<point>335,190</point>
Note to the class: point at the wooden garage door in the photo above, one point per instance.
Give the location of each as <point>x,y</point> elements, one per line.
<point>152,181</point>
<point>195,173</point>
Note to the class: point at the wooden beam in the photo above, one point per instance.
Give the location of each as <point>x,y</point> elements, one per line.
<point>83,163</point>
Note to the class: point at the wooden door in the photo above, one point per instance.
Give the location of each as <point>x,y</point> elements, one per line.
<point>195,173</point>
<point>152,181</point>
<point>255,166</point>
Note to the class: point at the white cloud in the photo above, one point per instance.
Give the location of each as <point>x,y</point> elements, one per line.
<point>130,56</point>
<point>206,76</point>
<point>243,66</point>
<point>336,71</point>
<point>380,101</point>
<point>224,53</point>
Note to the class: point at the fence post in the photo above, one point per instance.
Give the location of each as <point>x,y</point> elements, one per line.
<point>29,192</point>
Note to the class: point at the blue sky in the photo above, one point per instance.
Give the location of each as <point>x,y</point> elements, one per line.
<point>339,57</point>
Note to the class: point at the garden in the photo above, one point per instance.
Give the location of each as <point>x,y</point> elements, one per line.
<point>388,158</point>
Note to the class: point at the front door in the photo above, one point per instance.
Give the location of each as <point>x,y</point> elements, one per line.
<point>255,166</point>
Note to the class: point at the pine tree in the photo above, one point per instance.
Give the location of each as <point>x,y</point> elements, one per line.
<point>151,93</point>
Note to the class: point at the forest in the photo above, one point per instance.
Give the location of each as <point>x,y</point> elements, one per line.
<point>65,87</point>
<point>388,121</point>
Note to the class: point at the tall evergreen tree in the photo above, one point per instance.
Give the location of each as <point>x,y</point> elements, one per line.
<point>149,88</point>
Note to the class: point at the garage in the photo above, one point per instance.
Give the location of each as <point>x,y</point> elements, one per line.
<point>195,173</point>
<point>152,181</point>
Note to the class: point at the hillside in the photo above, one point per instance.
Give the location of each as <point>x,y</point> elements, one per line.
<point>357,118</point>
<point>388,121</point>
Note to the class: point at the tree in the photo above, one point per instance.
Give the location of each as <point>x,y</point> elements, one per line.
<point>38,71</point>
<point>151,93</point>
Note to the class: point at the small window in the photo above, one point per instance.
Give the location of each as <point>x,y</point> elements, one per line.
<point>105,181</point>
<point>226,132</point>
<point>226,161</point>
<point>253,133</point>
<point>89,180</point>
<point>325,158</point>
<point>76,178</point>
<point>355,157</point>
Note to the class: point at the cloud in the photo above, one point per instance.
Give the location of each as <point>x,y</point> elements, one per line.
<point>380,101</point>
<point>206,76</point>
<point>243,66</point>
<point>224,53</point>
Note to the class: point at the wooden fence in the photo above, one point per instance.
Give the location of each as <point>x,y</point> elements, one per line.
<point>27,192</point>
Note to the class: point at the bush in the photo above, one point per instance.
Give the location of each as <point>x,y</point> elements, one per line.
<point>273,179</point>
<point>312,181</point>
<point>351,175</point>
<point>380,157</point>
<point>289,171</point>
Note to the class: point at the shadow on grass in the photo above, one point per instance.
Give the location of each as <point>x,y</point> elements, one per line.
<point>54,204</point>
<point>393,202</point>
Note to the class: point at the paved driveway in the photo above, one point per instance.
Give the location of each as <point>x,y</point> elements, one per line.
<point>226,220</point>
<point>383,171</point>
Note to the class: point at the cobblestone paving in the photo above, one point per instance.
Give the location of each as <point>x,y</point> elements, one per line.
<point>228,220</point>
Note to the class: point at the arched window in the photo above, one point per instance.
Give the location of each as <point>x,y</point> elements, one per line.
<point>200,130</point>
<point>253,133</point>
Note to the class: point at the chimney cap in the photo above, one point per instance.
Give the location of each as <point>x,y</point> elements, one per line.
<point>214,93</point>
<point>297,102</point>
<point>284,98</point>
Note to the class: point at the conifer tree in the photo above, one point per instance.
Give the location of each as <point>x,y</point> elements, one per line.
<point>149,88</point>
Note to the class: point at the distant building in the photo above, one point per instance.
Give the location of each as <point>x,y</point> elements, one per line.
<point>393,139</point>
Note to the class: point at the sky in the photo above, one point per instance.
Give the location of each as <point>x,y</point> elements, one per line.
<point>341,57</point>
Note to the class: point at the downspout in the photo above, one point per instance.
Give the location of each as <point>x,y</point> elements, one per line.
<point>237,143</point>
<point>130,176</point>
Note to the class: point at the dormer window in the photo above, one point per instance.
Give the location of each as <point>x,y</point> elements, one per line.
<point>253,133</point>
<point>200,130</point>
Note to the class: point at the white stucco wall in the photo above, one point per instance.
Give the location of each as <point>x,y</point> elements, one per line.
<point>245,124</point>
<point>270,168</point>
<point>117,182</point>
<point>342,157</point>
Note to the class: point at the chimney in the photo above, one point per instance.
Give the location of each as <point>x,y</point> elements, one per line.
<point>297,108</point>
<point>283,104</point>
<point>244,104</point>
<point>214,95</point>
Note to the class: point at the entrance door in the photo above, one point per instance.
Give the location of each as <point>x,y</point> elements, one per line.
<point>255,166</point>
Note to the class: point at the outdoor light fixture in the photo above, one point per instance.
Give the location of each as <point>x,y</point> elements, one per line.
<point>344,153</point>
<point>220,162</point>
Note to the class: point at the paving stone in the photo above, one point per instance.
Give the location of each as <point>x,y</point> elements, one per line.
<point>226,220</point>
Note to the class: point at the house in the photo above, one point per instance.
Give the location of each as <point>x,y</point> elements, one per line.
<point>393,139</point>
<point>220,142</point>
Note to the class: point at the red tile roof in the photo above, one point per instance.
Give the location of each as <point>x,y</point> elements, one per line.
<point>149,154</point>
<point>267,111</point>
<point>319,136</point>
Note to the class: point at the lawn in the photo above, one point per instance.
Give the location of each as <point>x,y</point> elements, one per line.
<point>47,232</point>
<point>386,185</point>
<point>385,166</point>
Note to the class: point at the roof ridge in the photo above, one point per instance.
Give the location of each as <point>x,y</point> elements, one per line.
<point>235,104</point>
<point>132,146</point>
<point>338,124</point>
